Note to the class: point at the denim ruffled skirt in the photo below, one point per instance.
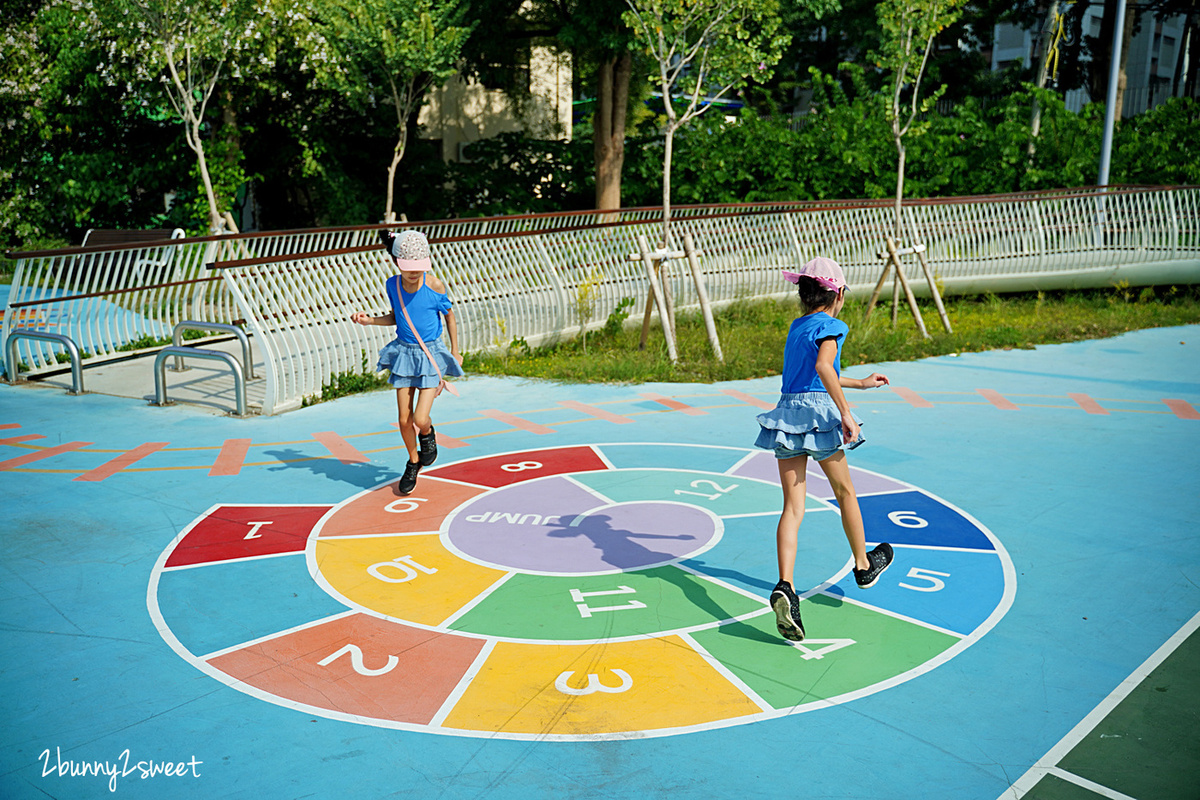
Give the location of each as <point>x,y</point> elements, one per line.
<point>804,421</point>
<point>408,365</point>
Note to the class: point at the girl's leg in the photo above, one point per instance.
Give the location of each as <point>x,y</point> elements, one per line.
<point>792,479</point>
<point>424,406</point>
<point>837,470</point>
<point>405,396</point>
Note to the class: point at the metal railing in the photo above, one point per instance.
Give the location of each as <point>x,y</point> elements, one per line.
<point>520,277</point>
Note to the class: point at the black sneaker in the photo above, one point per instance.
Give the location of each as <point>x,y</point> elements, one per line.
<point>787,612</point>
<point>881,559</point>
<point>408,481</point>
<point>428,446</point>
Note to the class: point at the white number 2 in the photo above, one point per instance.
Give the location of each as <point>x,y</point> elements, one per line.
<point>936,584</point>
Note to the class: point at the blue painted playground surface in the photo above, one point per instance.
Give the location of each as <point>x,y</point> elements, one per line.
<point>572,603</point>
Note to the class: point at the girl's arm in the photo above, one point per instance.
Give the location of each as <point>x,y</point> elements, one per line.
<point>872,381</point>
<point>452,330</point>
<point>826,355</point>
<point>363,318</point>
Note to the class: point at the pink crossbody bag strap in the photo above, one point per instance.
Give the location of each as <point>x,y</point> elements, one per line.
<point>442,384</point>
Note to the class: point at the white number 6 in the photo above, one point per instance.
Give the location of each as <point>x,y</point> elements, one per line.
<point>936,584</point>
<point>907,519</point>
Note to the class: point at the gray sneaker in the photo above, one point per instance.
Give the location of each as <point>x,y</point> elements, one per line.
<point>427,443</point>
<point>408,481</point>
<point>880,558</point>
<point>787,612</point>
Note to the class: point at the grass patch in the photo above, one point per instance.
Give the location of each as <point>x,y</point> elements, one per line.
<point>752,334</point>
<point>347,383</point>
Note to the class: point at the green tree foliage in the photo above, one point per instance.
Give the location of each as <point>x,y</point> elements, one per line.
<point>186,48</point>
<point>908,30</point>
<point>702,50</point>
<point>80,150</point>
<point>388,52</point>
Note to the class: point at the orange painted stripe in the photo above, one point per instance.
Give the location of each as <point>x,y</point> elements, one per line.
<point>232,457</point>
<point>442,439</point>
<point>750,399</point>
<point>997,399</point>
<point>38,455</point>
<point>912,398</point>
<point>342,450</point>
<point>674,405</point>
<point>598,413</point>
<point>1087,403</point>
<point>448,441</point>
<point>8,425</point>
<point>25,437</point>
<point>110,468</point>
<point>516,422</point>
<point>1183,409</point>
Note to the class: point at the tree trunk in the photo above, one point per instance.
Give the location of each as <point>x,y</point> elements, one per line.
<point>1035,122</point>
<point>215,223</point>
<point>667,150</point>
<point>608,135</point>
<point>899,187</point>
<point>397,153</point>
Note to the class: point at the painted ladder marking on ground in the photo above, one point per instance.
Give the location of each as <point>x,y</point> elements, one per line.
<point>340,449</point>
<point>912,398</point>
<point>232,457</point>
<point>516,422</point>
<point>112,467</point>
<point>1182,409</point>
<point>1087,403</point>
<point>598,413</point>
<point>674,405</point>
<point>998,400</point>
<point>21,460</point>
<point>25,437</point>
<point>748,399</point>
<point>1049,762</point>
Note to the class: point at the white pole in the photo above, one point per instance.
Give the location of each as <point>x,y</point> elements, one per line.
<point>1110,106</point>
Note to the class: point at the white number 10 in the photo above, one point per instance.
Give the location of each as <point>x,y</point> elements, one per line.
<point>936,584</point>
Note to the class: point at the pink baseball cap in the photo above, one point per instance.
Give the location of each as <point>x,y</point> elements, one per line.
<point>825,270</point>
<point>411,251</point>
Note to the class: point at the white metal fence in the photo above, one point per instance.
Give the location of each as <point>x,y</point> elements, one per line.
<point>520,278</point>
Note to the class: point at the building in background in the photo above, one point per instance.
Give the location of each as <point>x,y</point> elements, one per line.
<point>1156,60</point>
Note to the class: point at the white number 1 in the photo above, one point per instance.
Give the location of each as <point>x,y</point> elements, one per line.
<point>936,584</point>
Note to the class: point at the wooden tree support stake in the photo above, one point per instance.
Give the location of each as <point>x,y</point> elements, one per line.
<point>893,262</point>
<point>705,307</point>
<point>657,297</point>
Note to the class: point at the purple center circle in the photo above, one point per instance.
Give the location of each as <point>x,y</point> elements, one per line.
<point>555,526</point>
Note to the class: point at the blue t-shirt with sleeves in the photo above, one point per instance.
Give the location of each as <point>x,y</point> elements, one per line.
<point>800,353</point>
<point>425,306</point>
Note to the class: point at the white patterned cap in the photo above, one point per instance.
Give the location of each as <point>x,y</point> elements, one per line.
<point>411,251</point>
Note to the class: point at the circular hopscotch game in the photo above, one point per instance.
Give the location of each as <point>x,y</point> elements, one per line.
<point>573,593</point>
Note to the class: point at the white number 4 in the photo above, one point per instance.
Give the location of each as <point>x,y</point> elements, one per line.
<point>819,653</point>
<point>936,584</point>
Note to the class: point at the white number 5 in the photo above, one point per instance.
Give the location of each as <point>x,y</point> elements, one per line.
<point>936,583</point>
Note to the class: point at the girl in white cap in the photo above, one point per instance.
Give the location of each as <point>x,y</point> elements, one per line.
<point>813,419</point>
<point>416,360</point>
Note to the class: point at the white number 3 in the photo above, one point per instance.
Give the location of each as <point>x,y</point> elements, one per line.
<point>936,584</point>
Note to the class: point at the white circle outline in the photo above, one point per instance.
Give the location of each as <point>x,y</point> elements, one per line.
<point>201,664</point>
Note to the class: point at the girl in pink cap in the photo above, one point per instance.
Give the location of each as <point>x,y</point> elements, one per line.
<point>416,360</point>
<point>813,419</point>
